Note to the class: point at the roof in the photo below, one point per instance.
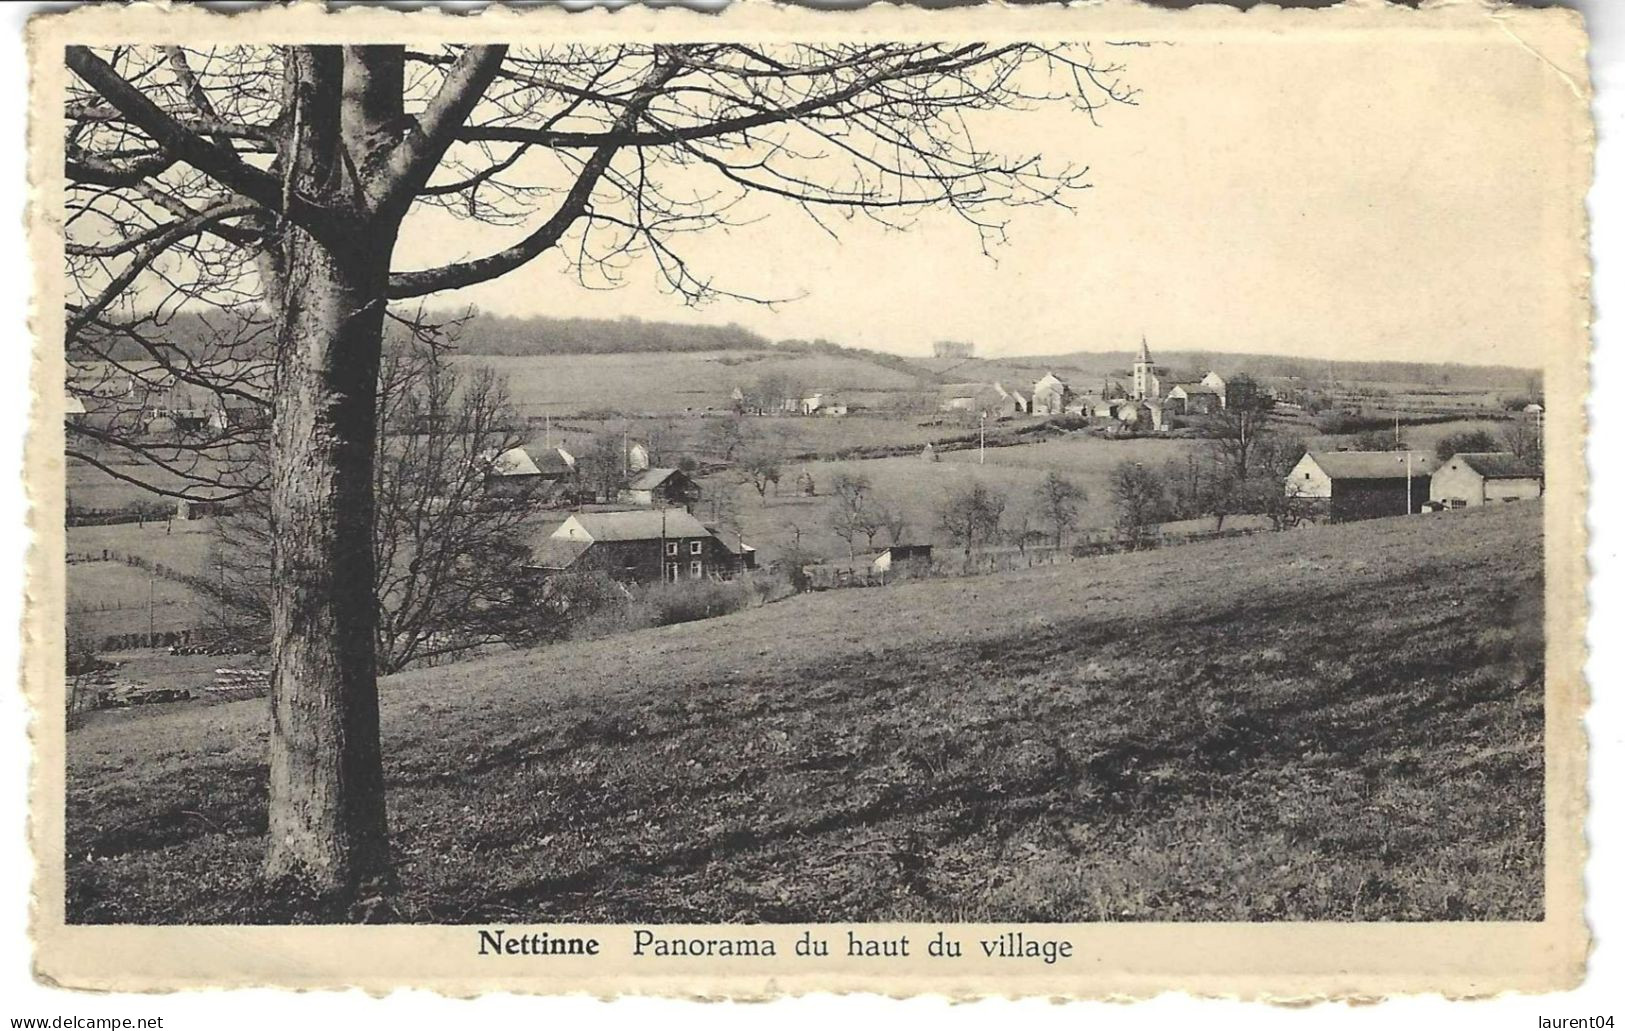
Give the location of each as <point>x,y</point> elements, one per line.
<point>732,546</point>
<point>1050,381</point>
<point>515,461</point>
<point>640,525</point>
<point>1373,465</point>
<point>553,553</point>
<point>1499,465</point>
<point>650,478</point>
<point>1145,351</point>
<point>905,549</point>
<point>72,405</point>
<point>1195,388</point>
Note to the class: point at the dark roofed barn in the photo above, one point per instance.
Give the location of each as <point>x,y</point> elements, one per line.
<point>1363,484</point>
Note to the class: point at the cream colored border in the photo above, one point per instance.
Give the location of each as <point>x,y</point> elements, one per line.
<point>1276,961</point>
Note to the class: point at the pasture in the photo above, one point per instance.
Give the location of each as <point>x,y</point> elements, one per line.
<point>919,487</point>
<point>662,383</point>
<point>1335,723</point>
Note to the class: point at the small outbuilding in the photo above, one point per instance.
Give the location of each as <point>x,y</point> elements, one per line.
<point>657,486</point>
<point>902,561</point>
<point>1476,478</point>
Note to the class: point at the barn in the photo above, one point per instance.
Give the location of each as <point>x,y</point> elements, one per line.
<point>1484,477</point>
<point>655,486</point>
<point>1363,484</point>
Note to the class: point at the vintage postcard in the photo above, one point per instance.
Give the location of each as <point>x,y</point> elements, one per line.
<point>1050,500</point>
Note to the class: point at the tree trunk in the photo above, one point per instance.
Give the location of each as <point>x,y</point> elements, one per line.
<point>327,827</point>
<point>328,832</point>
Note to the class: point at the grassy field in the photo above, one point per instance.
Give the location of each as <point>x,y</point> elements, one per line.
<point>673,382</point>
<point>1337,723</point>
<point>918,487</point>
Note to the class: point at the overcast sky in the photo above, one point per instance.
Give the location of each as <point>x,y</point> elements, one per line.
<point>1339,200</point>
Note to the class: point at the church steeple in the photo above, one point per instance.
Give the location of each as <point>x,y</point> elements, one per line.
<point>1146,384</point>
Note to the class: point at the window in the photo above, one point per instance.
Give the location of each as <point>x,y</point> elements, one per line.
<point>671,571</point>
<point>694,547</point>
<point>696,569</point>
<point>671,547</point>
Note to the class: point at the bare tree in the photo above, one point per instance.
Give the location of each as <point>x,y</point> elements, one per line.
<point>274,182</point>
<point>895,520</point>
<point>1141,500</point>
<point>970,517</point>
<point>760,467</point>
<point>448,540</point>
<point>725,436</point>
<point>1236,428</point>
<point>1521,436</point>
<point>1058,502</point>
<point>602,466</point>
<point>850,516</point>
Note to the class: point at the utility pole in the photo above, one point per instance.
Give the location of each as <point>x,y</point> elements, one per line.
<point>1407,481</point>
<point>152,598</point>
<point>981,447</point>
<point>1396,429</point>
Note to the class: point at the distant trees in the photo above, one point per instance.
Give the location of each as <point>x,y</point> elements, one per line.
<point>602,467</point>
<point>761,467</point>
<point>1522,438</point>
<point>1059,500</point>
<point>970,516</point>
<point>1141,502</point>
<point>1379,440</point>
<point>770,390</point>
<point>851,514</point>
<point>1452,444</point>
<point>725,436</point>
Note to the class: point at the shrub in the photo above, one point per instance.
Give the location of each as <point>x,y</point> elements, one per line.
<point>688,600</point>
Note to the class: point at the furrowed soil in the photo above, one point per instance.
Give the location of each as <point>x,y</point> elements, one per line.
<point>1335,723</point>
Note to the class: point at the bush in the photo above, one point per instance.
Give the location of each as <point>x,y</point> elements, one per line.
<point>688,600</point>
<point>82,655</point>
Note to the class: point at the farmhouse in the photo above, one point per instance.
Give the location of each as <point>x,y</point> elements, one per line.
<point>1195,399</point>
<point>1362,484</point>
<point>73,410</point>
<point>1483,477</point>
<point>641,546</point>
<point>655,486</point>
<point>1051,396</point>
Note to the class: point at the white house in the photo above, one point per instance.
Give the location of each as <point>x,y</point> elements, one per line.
<point>1484,477</point>
<point>1051,395</point>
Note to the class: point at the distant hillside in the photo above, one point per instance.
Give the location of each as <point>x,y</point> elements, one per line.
<point>1309,370</point>
<point>496,334</point>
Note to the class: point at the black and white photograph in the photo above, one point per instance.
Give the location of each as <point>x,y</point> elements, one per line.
<point>708,476</point>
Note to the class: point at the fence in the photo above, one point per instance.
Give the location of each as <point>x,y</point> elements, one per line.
<point>232,685</point>
<point>830,575</point>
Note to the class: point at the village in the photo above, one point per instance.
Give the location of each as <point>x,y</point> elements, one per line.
<point>601,522</point>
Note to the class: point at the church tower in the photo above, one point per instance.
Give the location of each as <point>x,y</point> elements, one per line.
<point>1146,385</point>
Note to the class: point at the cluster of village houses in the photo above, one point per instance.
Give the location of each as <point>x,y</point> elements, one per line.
<point>1149,402</point>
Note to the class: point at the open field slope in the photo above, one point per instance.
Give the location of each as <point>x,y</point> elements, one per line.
<point>663,382</point>
<point>1336,723</point>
